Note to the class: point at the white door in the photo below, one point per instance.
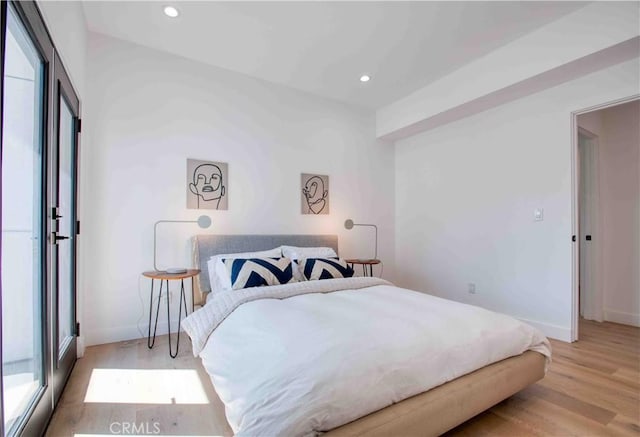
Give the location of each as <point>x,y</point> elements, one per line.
<point>589,238</point>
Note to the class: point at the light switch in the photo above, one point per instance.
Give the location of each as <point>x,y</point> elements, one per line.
<point>538,214</point>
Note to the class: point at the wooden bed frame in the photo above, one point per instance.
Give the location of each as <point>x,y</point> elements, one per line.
<point>431,413</point>
<point>442,408</point>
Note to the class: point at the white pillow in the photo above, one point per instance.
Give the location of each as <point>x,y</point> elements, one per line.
<point>218,275</point>
<point>296,253</point>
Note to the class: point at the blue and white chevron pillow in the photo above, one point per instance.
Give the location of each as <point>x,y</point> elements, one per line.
<point>259,272</point>
<point>325,268</point>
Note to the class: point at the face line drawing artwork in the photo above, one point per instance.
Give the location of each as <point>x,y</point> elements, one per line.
<point>208,184</point>
<point>315,194</point>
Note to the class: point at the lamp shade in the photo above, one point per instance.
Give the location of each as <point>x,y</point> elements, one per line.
<point>204,221</point>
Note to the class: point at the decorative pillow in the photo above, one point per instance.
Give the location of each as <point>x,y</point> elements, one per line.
<point>258,272</point>
<point>325,268</point>
<point>218,276</point>
<point>296,253</point>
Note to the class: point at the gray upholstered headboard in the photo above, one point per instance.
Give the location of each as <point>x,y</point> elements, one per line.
<point>205,246</point>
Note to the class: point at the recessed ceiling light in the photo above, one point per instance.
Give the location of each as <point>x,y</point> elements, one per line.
<point>364,78</point>
<point>170,11</point>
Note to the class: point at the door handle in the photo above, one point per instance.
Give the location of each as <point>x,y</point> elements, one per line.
<point>588,237</point>
<point>55,238</point>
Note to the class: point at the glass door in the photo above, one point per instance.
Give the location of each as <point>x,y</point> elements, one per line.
<point>38,176</point>
<point>64,225</point>
<point>23,257</point>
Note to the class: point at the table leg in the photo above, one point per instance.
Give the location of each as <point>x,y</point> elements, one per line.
<point>371,270</point>
<point>364,270</point>
<point>169,321</point>
<point>193,304</point>
<point>151,342</point>
<point>182,301</point>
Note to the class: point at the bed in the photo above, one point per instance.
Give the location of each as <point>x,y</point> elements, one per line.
<point>352,356</point>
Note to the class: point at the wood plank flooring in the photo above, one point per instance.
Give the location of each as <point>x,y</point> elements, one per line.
<point>178,417</point>
<point>592,388</point>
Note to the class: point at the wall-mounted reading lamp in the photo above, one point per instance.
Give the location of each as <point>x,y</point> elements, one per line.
<point>203,221</point>
<point>349,224</point>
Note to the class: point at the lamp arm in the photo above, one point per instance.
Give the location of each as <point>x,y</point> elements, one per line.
<point>376,228</point>
<point>376,253</point>
<point>155,235</point>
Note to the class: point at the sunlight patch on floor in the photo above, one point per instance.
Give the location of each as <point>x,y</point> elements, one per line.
<point>145,386</point>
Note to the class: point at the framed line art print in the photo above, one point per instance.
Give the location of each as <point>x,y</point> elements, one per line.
<point>207,185</point>
<point>314,193</point>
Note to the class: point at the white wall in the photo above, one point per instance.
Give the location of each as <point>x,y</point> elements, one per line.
<point>148,111</point>
<point>66,24</point>
<point>620,212</point>
<point>592,121</point>
<point>466,192</point>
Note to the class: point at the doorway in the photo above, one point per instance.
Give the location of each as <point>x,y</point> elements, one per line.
<point>38,184</point>
<point>606,197</point>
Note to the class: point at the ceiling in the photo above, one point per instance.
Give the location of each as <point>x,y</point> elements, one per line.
<point>324,47</point>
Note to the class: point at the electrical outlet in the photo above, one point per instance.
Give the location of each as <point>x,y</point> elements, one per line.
<point>472,288</point>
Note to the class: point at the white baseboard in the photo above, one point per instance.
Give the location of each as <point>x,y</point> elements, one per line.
<point>552,331</point>
<point>80,347</point>
<point>621,317</point>
<point>123,333</point>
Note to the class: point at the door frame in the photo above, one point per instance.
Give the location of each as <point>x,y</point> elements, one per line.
<point>62,90</point>
<point>575,206</point>
<point>3,30</point>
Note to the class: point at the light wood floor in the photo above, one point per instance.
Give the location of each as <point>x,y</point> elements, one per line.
<point>592,388</point>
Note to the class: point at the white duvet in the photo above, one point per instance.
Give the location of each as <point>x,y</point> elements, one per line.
<point>304,358</point>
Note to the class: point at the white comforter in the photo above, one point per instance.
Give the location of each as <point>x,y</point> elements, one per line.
<point>302,358</point>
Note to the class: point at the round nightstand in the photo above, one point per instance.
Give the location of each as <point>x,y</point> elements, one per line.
<point>364,263</point>
<point>164,279</point>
